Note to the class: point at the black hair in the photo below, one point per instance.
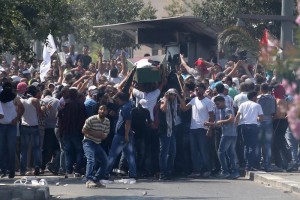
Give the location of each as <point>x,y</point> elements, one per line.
<point>32,91</point>
<point>73,94</point>
<point>47,93</point>
<point>114,73</point>
<point>219,99</point>
<point>264,87</point>
<point>251,95</point>
<point>244,87</point>
<point>200,85</point>
<point>123,96</point>
<point>220,88</point>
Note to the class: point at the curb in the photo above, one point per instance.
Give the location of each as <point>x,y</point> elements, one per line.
<point>274,181</point>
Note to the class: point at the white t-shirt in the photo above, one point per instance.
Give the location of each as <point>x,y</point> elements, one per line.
<point>239,99</point>
<point>249,112</point>
<point>150,97</point>
<point>200,112</point>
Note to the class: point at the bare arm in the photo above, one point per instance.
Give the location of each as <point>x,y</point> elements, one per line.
<point>61,75</point>
<point>237,118</point>
<point>37,105</point>
<point>236,66</point>
<point>123,64</point>
<point>184,63</point>
<point>127,129</point>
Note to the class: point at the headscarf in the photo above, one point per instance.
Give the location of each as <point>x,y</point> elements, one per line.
<point>7,93</point>
<point>171,119</point>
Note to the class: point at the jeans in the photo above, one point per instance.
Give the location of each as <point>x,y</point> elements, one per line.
<point>62,159</point>
<point>183,161</point>
<point>281,153</point>
<point>240,147</point>
<point>94,152</point>
<point>250,136</point>
<point>72,143</point>
<point>119,144</point>
<point>199,150</point>
<point>293,144</point>
<point>215,148</point>
<point>30,134</point>
<point>167,152</point>
<point>265,142</point>
<point>8,137</point>
<point>50,147</point>
<point>152,152</point>
<point>227,146</point>
<point>140,149</point>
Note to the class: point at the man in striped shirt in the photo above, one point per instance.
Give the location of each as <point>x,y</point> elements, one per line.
<point>96,129</point>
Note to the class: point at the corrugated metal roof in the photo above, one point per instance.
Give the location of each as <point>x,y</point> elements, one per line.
<point>189,24</point>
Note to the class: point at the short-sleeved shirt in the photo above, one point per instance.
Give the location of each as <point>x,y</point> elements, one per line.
<point>239,99</point>
<point>150,97</point>
<point>228,129</point>
<point>94,123</point>
<point>200,112</point>
<point>228,103</point>
<point>125,114</point>
<point>249,112</point>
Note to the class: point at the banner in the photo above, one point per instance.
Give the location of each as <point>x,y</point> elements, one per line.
<point>48,51</point>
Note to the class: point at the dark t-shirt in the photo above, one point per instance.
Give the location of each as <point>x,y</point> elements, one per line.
<point>139,118</point>
<point>124,115</point>
<point>85,59</point>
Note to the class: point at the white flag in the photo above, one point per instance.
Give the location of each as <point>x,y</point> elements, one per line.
<point>48,51</point>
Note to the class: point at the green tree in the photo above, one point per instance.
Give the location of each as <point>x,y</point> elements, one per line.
<point>101,12</point>
<point>222,13</point>
<point>175,8</point>
<point>148,12</point>
<point>24,20</point>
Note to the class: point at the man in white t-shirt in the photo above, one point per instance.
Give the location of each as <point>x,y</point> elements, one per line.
<point>202,111</point>
<point>248,116</point>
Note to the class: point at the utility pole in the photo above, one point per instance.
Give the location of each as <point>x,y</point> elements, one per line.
<point>286,36</point>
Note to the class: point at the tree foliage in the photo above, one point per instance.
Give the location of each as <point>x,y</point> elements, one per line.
<point>222,13</point>
<point>101,12</point>
<point>24,20</point>
<point>148,12</point>
<point>175,8</point>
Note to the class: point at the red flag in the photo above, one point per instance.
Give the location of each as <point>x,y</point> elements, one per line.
<point>264,40</point>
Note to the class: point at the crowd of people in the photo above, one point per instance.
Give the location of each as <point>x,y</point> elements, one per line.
<point>93,119</point>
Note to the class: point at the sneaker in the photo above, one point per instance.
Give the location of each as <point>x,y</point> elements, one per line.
<point>11,174</point>
<point>234,175</point>
<point>129,181</point>
<point>206,175</point>
<point>275,169</point>
<point>105,181</point>
<point>223,175</point>
<point>92,184</point>
<point>292,166</point>
<point>36,171</point>
<point>194,175</point>
<point>77,175</point>
<point>51,169</point>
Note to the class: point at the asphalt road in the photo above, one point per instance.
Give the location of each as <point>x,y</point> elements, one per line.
<point>241,189</point>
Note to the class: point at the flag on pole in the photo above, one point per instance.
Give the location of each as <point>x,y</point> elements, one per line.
<point>48,51</point>
<point>269,41</point>
<point>270,48</point>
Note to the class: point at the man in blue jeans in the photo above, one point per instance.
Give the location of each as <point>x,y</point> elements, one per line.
<point>123,139</point>
<point>268,104</point>
<point>249,114</point>
<point>202,111</point>
<point>96,129</point>
<point>169,121</point>
<point>228,139</point>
